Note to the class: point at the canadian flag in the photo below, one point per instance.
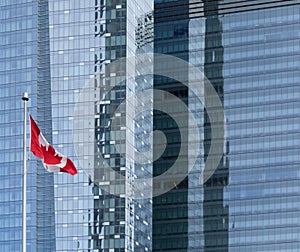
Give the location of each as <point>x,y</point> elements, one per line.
<point>53,161</point>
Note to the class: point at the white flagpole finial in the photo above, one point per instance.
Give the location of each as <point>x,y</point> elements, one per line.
<point>25,96</point>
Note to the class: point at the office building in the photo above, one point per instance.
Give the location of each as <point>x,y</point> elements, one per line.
<point>249,51</point>
<point>52,49</point>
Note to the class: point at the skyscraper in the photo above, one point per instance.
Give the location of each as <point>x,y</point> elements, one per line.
<point>261,76</point>
<point>85,38</point>
<point>183,29</point>
<point>249,51</point>
<point>25,65</point>
<point>52,49</point>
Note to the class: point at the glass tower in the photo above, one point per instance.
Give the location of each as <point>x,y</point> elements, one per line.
<point>261,98</point>
<point>170,210</point>
<point>192,215</point>
<point>25,65</point>
<point>85,37</point>
<point>52,49</point>
<point>249,51</point>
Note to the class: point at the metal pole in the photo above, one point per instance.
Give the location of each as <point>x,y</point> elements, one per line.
<point>25,99</point>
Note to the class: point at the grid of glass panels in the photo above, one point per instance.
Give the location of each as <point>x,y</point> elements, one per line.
<point>256,61</point>
<point>261,98</point>
<point>84,37</point>
<point>191,217</point>
<point>253,58</point>
<point>18,46</point>
<point>170,210</point>
<point>71,29</point>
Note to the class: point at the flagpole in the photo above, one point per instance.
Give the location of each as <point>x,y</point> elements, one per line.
<point>25,99</point>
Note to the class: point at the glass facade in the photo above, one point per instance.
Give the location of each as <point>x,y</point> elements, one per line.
<point>84,38</point>
<point>261,91</point>
<point>70,40</point>
<point>250,54</point>
<point>52,49</point>
<point>249,51</point>
<point>24,66</point>
<point>170,210</point>
<point>196,215</point>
